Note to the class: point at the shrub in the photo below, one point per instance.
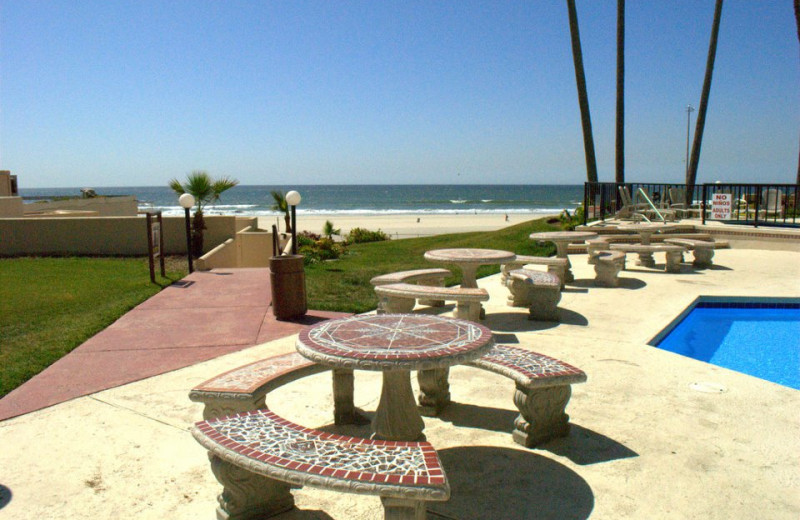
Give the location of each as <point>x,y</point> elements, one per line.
<point>361,235</point>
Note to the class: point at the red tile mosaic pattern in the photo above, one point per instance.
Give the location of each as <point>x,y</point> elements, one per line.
<point>400,340</point>
<point>274,442</point>
<point>529,368</point>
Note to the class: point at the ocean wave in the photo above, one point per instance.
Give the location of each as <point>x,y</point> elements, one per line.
<point>177,210</point>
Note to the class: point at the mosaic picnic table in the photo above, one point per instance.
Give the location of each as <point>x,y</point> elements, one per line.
<point>562,240</point>
<point>395,344</point>
<point>646,231</point>
<point>469,259</point>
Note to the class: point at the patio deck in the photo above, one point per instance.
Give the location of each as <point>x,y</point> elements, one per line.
<point>645,443</point>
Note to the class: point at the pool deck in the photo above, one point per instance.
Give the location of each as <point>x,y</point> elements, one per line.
<point>651,436</point>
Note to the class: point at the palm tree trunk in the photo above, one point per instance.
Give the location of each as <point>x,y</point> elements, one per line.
<point>797,21</point>
<point>198,225</point>
<point>691,176</point>
<point>620,156</point>
<point>583,96</point>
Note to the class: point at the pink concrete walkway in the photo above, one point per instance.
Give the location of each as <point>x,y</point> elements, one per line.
<point>205,315</point>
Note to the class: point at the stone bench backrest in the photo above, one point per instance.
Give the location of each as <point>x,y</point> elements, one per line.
<point>267,444</point>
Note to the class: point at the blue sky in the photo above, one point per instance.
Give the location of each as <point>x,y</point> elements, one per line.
<point>99,93</point>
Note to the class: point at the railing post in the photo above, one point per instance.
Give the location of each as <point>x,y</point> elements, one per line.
<point>703,205</point>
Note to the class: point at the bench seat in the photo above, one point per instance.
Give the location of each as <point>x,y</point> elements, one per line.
<point>702,250</point>
<point>401,297</point>
<point>555,265</point>
<point>541,396</point>
<point>673,252</point>
<point>537,290</point>
<point>258,456</point>
<point>607,266</point>
<point>434,277</point>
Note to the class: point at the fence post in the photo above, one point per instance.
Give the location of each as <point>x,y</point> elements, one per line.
<point>703,204</point>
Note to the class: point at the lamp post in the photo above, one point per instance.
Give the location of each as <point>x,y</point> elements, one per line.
<point>186,201</point>
<point>293,199</point>
<point>689,110</point>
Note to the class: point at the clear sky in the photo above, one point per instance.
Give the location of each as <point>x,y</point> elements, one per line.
<point>130,93</point>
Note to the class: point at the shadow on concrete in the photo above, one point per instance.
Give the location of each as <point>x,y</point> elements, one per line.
<point>569,317</point>
<point>303,514</point>
<point>716,267</point>
<point>308,319</point>
<point>491,482</point>
<point>511,339</point>
<point>5,496</point>
<point>485,418</point>
<point>584,446</point>
<point>516,322</point>
<point>575,288</point>
<point>624,283</point>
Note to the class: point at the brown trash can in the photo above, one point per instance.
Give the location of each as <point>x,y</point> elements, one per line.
<point>288,279</point>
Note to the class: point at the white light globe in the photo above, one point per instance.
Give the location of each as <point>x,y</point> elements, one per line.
<point>186,200</point>
<point>293,198</point>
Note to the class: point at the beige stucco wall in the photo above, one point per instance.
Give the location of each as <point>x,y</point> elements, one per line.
<point>102,235</point>
<point>124,206</point>
<point>11,207</point>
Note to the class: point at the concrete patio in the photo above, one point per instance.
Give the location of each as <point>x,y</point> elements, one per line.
<point>650,437</point>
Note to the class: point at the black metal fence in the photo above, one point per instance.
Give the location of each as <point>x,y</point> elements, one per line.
<point>749,204</point>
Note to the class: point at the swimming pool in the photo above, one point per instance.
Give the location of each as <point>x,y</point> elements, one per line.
<point>759,337</point>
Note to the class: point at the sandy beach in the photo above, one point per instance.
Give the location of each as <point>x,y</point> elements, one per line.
<point>406,225</point>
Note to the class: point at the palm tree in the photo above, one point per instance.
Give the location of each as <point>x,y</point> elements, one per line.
<point>583,96</point>
<point>691,175</point>
<point>797,21</point>
<point>282,206</point>
<point>205,190</point>
<point>328,230</point>
<point>620,170</point>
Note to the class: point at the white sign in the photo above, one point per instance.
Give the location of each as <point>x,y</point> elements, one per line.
<point>721,204</point>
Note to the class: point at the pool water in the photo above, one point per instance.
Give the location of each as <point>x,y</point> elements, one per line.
<point>759,339</point>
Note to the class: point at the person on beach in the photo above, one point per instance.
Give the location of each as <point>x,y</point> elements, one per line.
<point>506,217</point>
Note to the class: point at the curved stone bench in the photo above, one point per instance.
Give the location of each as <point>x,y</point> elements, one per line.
<point>702,250</point>
<point>257,456</point>
<point>607,266</point>
<point>245,388</point>
<point>537,290</point>
<point>542,391</point>
<point>434,277</point>
<point>673,252</point>
<point>555,265</point>
<point>400,298</point>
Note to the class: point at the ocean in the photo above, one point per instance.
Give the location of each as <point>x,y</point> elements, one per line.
<point>359,199</point>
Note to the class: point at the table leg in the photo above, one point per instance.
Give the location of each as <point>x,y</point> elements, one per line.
<point>397,417</point>
<point>561,252</point>
<point>468,272</point>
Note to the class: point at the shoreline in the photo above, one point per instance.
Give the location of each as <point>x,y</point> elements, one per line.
<point>406,225</point>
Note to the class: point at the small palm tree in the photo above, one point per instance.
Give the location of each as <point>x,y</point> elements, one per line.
<point>206,190</point>
<point>328,230</point>
<point>282,206</point>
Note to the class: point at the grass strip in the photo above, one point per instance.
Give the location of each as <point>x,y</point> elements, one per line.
<point>49,306</point>
<point>343,284</point>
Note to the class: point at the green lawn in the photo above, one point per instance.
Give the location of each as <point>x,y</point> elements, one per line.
<point>49,306</point>
<point>343,285</point>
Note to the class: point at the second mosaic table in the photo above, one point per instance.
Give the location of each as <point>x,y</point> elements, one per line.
<point>395,344</point>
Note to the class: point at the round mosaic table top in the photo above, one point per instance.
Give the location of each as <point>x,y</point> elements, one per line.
<point>394,342</point>
<point>470,256</point>
<point>563,236</point>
